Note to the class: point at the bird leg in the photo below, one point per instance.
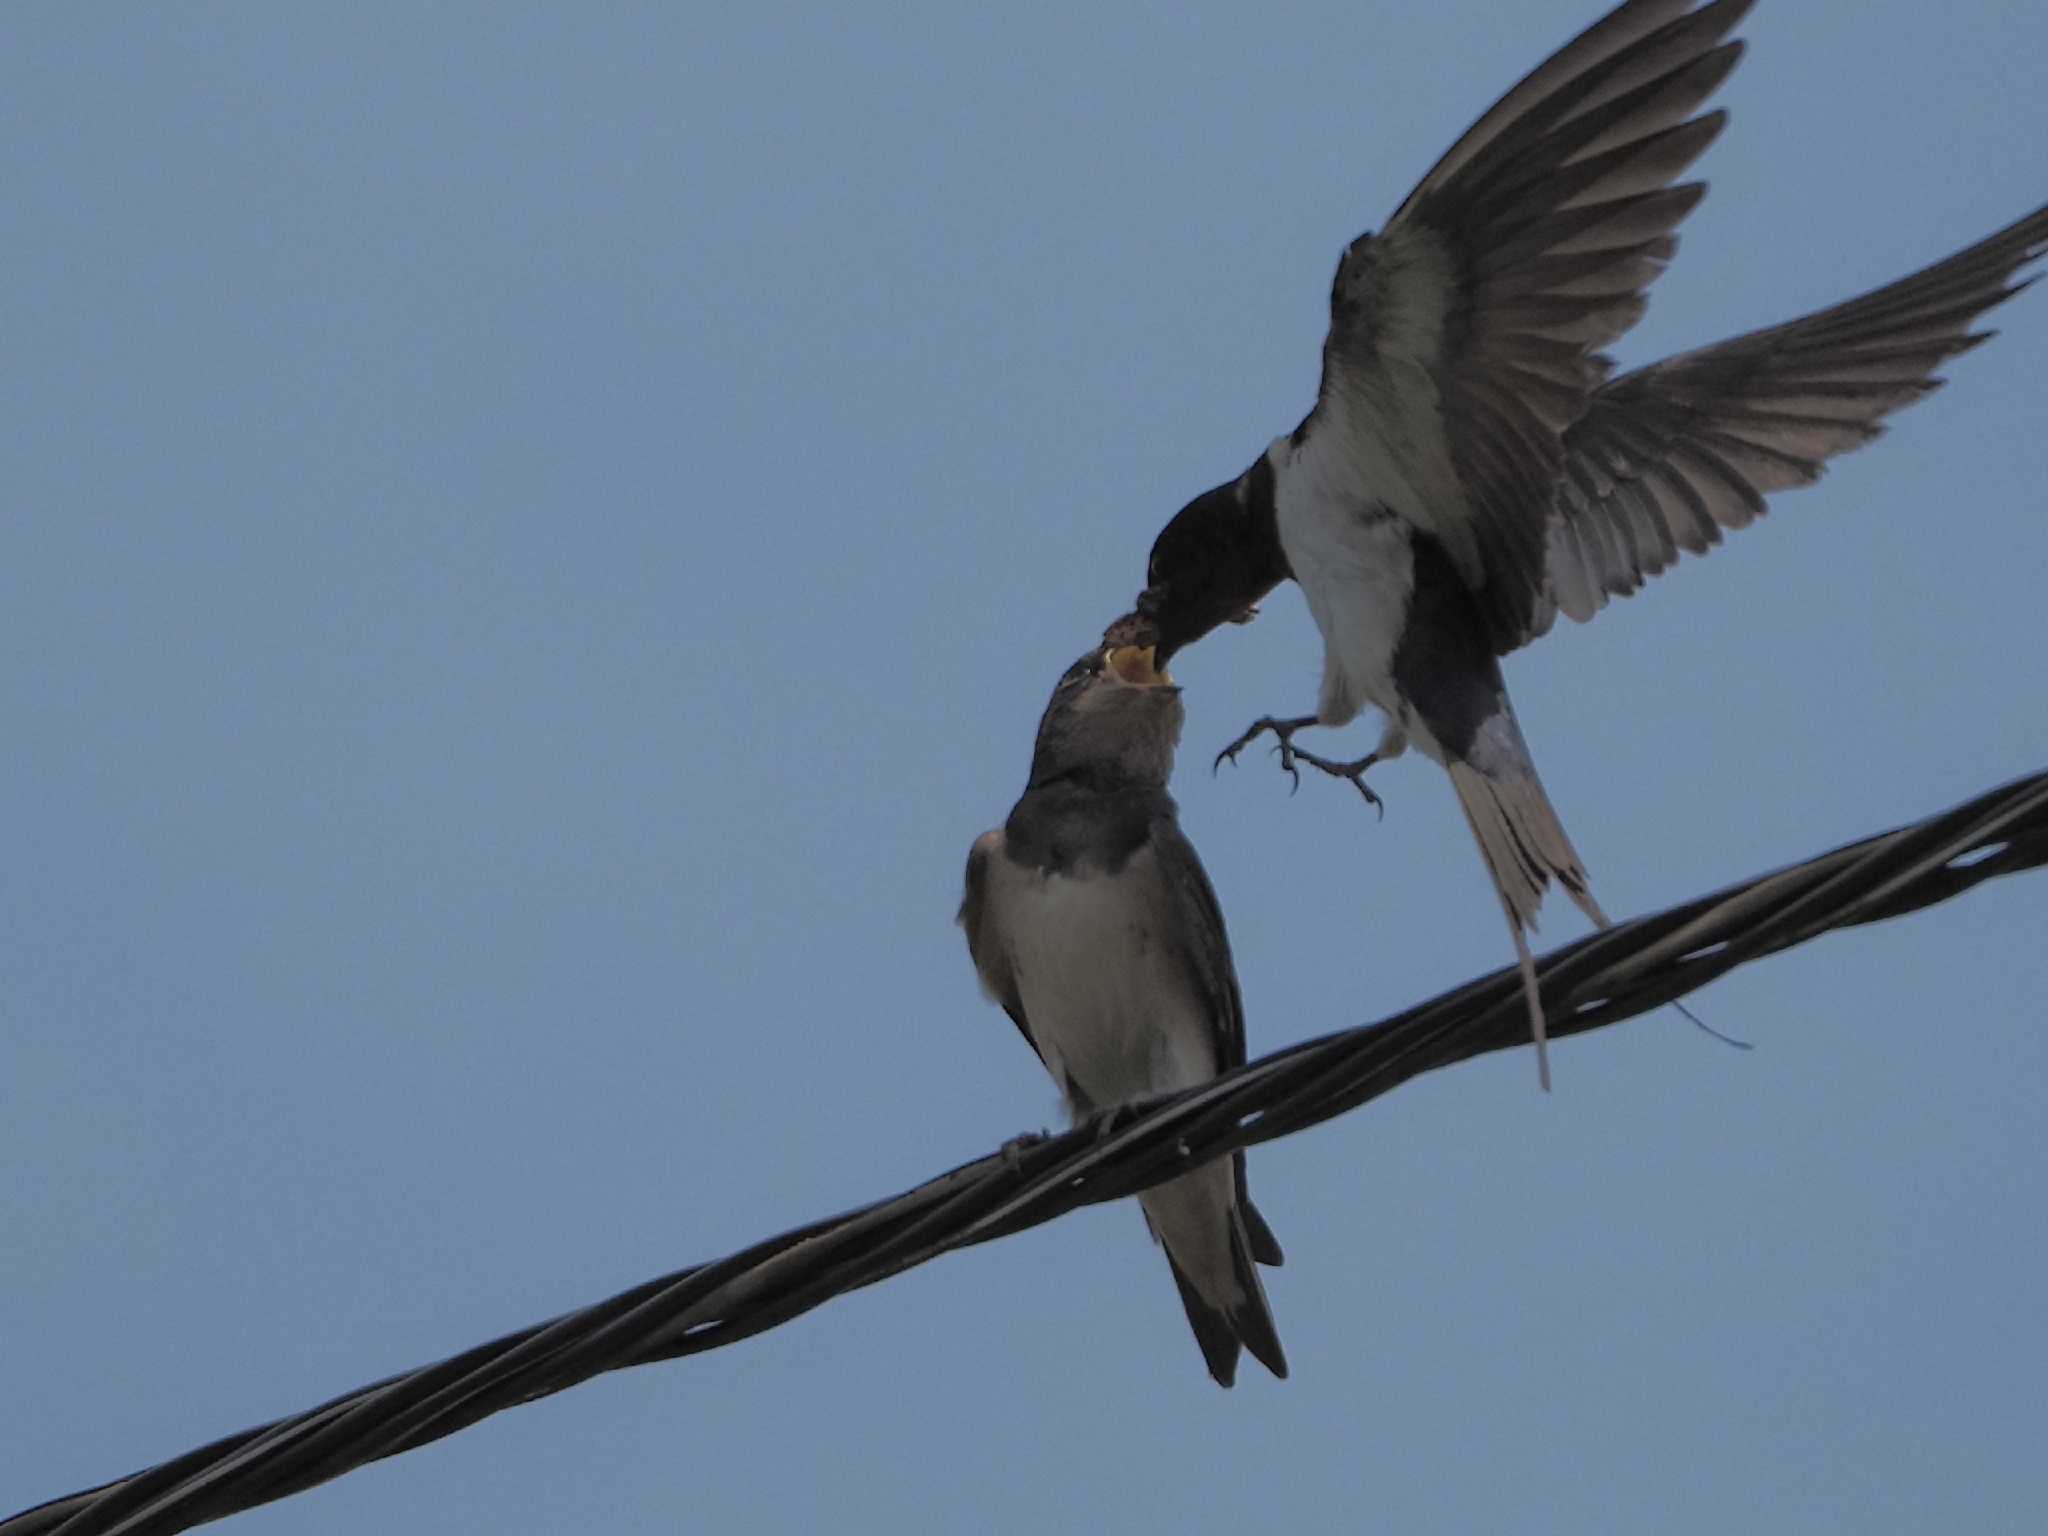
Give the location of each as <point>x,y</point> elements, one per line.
<point>1352,773</point>
<point>1283,732</point>
<point>1291,755</point>
<point>1014,1149</point>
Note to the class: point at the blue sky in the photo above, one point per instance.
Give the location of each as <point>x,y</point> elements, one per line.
<point>533,537</point>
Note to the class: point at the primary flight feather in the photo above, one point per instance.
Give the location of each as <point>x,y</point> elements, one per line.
<point>1472,467</point>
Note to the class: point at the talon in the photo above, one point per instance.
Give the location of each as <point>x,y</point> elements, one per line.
<point>1291,757</point>
<point>1285,753</point>
<point>1352,773</point>
<point>1358,783</point>
<point>1014,1149</point>
<point>1283,732</point>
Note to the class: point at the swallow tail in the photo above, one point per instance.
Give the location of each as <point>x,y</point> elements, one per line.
<point>1525,848</point>
<point>1218,1340</point>
<point>1250,1316</point>
<point>1214,1253</point>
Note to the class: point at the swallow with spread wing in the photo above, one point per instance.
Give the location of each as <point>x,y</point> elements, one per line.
<point>1472,467</point>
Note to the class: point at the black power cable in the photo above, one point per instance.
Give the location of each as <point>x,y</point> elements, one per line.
<point>1614,975</point>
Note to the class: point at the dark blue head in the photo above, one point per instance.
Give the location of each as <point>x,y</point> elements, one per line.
<point>1213,562</point>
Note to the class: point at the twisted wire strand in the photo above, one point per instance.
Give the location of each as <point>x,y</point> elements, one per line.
<point>1600,980</point>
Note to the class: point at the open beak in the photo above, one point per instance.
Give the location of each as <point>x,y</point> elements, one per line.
<point>1137,665</point>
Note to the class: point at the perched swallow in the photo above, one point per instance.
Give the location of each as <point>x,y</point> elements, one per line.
<point>1091,922</point>
<point>1470,469</point>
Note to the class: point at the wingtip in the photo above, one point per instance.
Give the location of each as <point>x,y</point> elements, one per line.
<point>1719,62</point>
<point>1265,1247</point>
<point>1273,1358</point>
<point>1252,1322</point>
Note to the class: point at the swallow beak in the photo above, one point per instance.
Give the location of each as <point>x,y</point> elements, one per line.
<point>1137,665</point>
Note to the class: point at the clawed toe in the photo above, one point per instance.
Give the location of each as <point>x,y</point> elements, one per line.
<point>1292,757</point>
<point>1286,754</point>
<point>1014,1149</point>
<point>1283,732</point>
<point>1351,773</point>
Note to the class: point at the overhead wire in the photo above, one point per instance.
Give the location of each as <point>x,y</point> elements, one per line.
<point>1616,974</point>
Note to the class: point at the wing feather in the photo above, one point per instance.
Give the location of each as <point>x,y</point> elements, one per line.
<point>991,956</point>
<point>1464,338</point>
<point>1669,456</point>
<point>1205,946</point>
<point>1197,928</point>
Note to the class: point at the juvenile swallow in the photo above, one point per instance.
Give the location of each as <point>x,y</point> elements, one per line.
<point>1471,469</point>
<point>1091,922</point>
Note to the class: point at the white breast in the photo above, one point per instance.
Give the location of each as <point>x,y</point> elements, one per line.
<point>1352,561</point>
<point>1106,997</point>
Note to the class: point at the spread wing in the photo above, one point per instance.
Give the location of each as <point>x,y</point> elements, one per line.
<point>1668,456</point>
<point>991,956</point>
<point>1464,337</point>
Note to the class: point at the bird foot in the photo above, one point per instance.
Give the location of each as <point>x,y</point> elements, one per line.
<point>1014,1149</point>
<point>1112,1120</point>
<point>1291,756</point>
<point>1352,773</point>
<point>1283,732</point>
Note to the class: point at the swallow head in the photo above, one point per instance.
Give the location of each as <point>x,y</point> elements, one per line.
<point>1115,717</point>
<point>1210,565</point>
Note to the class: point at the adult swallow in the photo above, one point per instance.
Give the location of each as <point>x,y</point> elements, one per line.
<point>1471,467</point>
<point>1091,922</point>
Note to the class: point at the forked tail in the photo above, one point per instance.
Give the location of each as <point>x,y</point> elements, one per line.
<point>1214,1241</point>
<point>1525,848</point>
